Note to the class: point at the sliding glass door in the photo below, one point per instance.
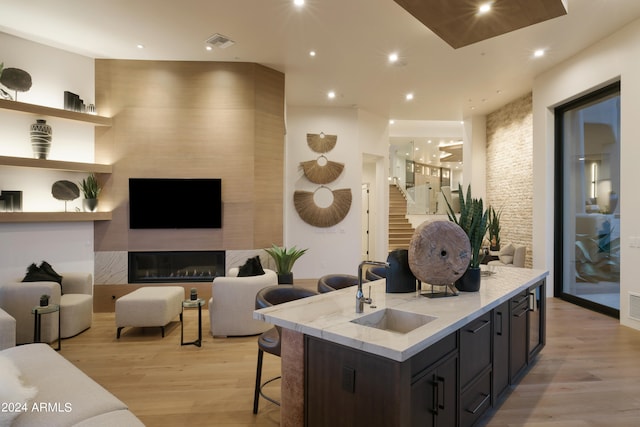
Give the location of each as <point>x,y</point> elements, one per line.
<point>587,227</point>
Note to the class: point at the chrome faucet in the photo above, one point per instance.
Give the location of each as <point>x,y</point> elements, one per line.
<point>361,300</point>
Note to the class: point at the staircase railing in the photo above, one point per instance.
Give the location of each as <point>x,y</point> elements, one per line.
<point>418,198</point>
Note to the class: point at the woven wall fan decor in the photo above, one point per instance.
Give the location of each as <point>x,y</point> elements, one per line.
<point>321,143</point>
<point>322,170</point>
<point>318,216</point>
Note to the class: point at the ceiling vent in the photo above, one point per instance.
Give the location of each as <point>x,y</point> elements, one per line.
<point>220,41</point>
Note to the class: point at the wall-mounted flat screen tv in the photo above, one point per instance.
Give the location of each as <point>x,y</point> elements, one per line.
<point>175,203</point>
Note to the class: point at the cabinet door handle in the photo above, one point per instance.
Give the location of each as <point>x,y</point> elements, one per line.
<point>476,330</point>
<point>533,306</point>
<point>520,301</point>
<point>440,380</point>
<point>522,313</point>
<point>499,314</point>
<point>484,397</point>
<point>436,395</point>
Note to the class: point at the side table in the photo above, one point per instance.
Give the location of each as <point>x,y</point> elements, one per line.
<point>188,303</point>
<point>38,311</point>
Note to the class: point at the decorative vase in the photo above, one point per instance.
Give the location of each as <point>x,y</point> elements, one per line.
<point>40,139</point>
<point>90,205</point>
<point>285,278</point>
<point>470,280</point>
<point>44,301</point>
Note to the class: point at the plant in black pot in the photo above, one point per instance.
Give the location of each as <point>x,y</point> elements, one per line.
<point>284,259</point>
<point>44,300</point>
<point>493,226</point>
<point>90,190</point>
<point>473,220</point>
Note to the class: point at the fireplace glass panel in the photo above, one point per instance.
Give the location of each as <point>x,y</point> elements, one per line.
<point>176,266</point>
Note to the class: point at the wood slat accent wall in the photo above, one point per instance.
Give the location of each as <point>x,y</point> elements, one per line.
<point>193,120</point>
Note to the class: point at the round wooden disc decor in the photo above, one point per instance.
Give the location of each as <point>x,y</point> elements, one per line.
<point>439,252</point>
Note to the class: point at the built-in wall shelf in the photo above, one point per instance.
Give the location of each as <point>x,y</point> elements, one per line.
<point>6,217</point>
<point>23,107</point>
<point>25,162</point>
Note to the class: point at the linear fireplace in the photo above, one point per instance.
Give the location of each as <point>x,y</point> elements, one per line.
<point>175,266</point>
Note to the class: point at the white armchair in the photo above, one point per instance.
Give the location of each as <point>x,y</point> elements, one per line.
<point>76,306</point>
<point>511,255</point>
<point>233,301</point>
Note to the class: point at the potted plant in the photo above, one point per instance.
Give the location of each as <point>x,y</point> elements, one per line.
<point>90,189</point>
<point>493,227</point>
<point>473,220</point>
<point>44,300</point>
<point>284,259</point>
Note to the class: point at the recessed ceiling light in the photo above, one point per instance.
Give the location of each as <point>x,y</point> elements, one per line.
<point>391,121</point>
<point>538,53</point>
<point>393,57</point>
<point>208,47</point>
<point>409,96</point>
<point>312,53</point>
<point>484,8</point>
<point>331,94</point>
<point>298,2</point>
<point>140,46</point>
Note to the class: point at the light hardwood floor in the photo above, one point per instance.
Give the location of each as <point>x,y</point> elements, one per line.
<point>587,375</point>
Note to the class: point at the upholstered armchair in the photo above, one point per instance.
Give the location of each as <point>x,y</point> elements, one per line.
<point>511,255</point>
<point>76,306</point>
<point>233,301</point>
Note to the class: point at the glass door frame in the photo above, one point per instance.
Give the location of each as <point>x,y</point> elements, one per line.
<point>559,175</point>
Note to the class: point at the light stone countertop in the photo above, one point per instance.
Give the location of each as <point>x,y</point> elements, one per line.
<point>328,316</point>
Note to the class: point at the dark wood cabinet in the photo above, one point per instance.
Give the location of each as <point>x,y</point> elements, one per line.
<point>349,387</point>
<point>500,349</point>
<point>536,319</point>
<point>452,383</point>
<point>434,396</point>
<point>518,336</point>
<point>475,349</point>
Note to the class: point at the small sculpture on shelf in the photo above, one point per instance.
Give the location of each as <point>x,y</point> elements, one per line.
<point>16,79</point>
<point>65,190</point>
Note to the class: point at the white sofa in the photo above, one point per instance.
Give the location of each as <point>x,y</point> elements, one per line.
<point>76,306</point>
<point>233,301</point>
<point>65,396</point>
<point>7,330</point>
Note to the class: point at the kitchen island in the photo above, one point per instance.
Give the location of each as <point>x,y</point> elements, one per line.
<point>408,359</point>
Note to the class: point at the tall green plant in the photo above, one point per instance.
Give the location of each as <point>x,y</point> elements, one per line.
<point>493,226</point>
<point>284,258</point>
<point>473,220</point>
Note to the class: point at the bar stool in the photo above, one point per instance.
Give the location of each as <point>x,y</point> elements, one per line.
<point>269,341</point>
<point>332,282</point>
<point>376,273</point>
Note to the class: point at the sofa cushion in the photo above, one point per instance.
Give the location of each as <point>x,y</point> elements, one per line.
<point>59,381</point>
<point>253,267</point>
<point>506,254</point>
<point>13,391</point>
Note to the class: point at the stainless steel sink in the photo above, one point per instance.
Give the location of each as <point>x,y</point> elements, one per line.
<point>393,320</point>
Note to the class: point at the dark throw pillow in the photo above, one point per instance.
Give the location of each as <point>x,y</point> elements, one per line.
<point>253,267</point>
<point>44,273</point>
<point>46,267</point>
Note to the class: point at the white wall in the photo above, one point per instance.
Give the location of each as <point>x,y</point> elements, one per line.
<point>67,246</point>
<point>617,56</point>
<point>334,249</point>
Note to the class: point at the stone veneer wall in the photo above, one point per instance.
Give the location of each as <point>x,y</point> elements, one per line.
<point>510,171</point>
